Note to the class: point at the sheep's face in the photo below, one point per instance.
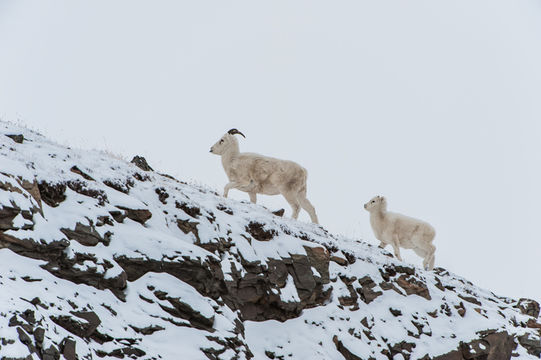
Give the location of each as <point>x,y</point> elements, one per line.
<point>227,142</point>
<point>377,202</point>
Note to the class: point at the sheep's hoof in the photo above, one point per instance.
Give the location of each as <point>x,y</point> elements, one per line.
<point>279,213</point>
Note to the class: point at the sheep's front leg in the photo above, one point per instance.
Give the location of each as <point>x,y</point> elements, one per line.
<point>396,247</point>
<point>382,245</point>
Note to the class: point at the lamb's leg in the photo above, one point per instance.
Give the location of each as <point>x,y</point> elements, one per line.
<point>229,186</point>
<point>253,197</point>
<point>295,206</point>
<point>382,245</point>
<point>430,258</point>
<point>306,205</point>
<point>422,253</point>
<point>396,247</point>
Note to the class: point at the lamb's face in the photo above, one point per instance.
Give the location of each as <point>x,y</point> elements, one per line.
<point>377,202</point>
<point>223,144</point>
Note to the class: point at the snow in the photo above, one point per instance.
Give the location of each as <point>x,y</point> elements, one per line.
<point>309,336</point>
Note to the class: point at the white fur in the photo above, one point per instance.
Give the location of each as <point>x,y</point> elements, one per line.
<point>258,174</point>
<point>401,231</point>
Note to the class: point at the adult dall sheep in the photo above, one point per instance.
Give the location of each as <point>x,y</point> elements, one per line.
<point>258,174</point>
<point>401,231</point>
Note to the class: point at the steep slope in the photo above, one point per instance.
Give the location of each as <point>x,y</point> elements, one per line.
<point>102,259</point>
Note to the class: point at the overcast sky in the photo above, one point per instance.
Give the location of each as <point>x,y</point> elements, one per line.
<point>434,104</point>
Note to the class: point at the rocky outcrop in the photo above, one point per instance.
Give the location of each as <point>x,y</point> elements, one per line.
<point>107,259</point>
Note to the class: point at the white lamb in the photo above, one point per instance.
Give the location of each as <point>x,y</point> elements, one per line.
<point>401,231</point>
<point>258,174</point>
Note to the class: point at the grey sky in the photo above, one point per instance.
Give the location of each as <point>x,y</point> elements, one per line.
<point>434,104</point>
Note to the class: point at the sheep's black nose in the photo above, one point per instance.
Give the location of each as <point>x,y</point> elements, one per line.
<point>210,150</point>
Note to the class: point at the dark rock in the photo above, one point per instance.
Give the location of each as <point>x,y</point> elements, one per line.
<point>78,171</point>
<point>528,307</point>
<point>68,349</point>
<point>85,235</point>
<point>82,188</point>
<point>7,214</point>
<point>319,258</point>
<point>193,211</point>
<point>225,209</point>
<point>119,185</point>
<point>395,312</point>
<point>39,335</point>
<point>495,346</point>
<point>205,277</point>
<point>258,232</point>
<point>141,163</point>
<point>139,215</point>
<point>19,138</point>
<point>149,330</point>
<point>51,353</point>
<point>162,195</point>
<point>348,355</point>
<point>367,294</point>
<point>470,299</point>
<point>279,213</point>
<point>533,346</point>
<point>413,286</point>
<point>189,227</point>
<point>339,260</point>
<point>119,216</point>
<point>52,193</point>
<point>76,327</point>
<point>186,312</point>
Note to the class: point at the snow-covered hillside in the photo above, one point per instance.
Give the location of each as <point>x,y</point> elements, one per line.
<point>102,259</point>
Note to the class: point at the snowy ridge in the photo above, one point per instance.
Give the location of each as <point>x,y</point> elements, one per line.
<point>100,259</point>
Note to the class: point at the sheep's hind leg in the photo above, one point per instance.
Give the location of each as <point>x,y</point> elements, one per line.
<point>295,206</point>
<point>307,205</point>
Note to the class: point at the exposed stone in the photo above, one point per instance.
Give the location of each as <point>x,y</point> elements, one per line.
<point>367,294</point>
<point>413,286</point>
<point>495,346</point>
<point>162,195</point>
<point>7,214</point>
<point>81,187</point>
<point>76,327</point>
<point>279,213</point>
<point>348,355</point>
<point>86,235</point>
<point>193,211</point>
<point>339,260</point>
<point>533,346</point>
<point>78,171</point>
<point>52,193</point>
<point>68,347</point>
<point>141,163</point>
<point>18,138</point>
<point>528,307</point>
<point>258,231</point>
<point>189,227</point>
<point>139,215</point>
<point>470,299</point>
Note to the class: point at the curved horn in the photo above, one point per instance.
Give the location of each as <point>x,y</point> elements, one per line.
<point>235,131</point>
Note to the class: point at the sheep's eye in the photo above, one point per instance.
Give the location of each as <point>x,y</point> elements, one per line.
<point>221,141</point>
<point>373,201</point>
